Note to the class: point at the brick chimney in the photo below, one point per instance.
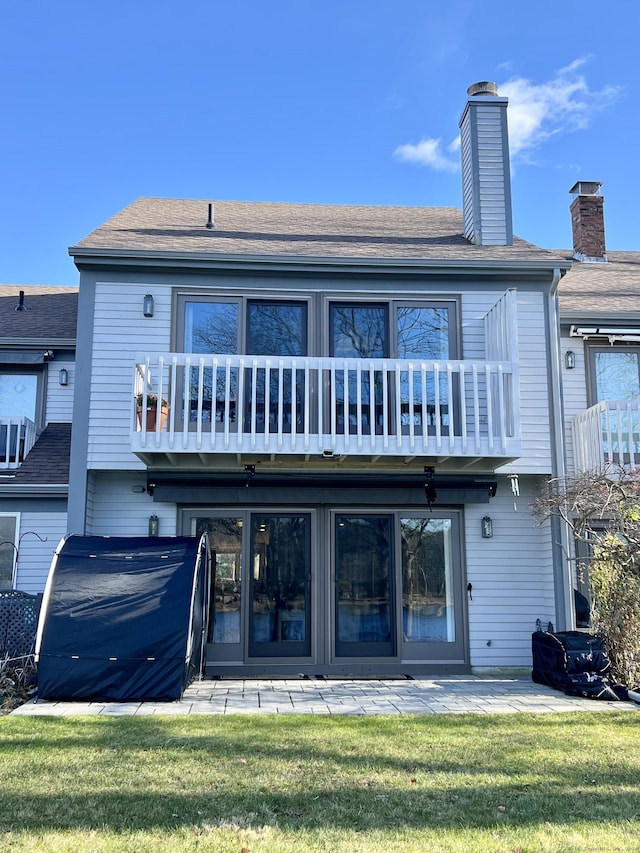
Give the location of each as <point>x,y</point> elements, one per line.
<point>587,222</point>
<point>486,176</point>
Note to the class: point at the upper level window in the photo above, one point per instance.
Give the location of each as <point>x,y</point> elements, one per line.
<point>231,326</point>
<point>211,327</point>
<point>396,329</point>
<point>276,328</point>
<point>18,395</point>
<point>615,373</point>
<point>393,329</point>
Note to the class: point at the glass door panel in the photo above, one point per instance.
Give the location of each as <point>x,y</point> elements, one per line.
<point>358,331</point>
<point>225,543</point>
<point>280,573</point>
<point>364,600</point>
<point>427,580</point>
<point>212,328</point>
<point>278,329</point>
<point>432,583</point>
<point>424,332</point>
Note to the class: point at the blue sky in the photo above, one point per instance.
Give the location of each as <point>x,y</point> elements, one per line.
<point>336,102</point>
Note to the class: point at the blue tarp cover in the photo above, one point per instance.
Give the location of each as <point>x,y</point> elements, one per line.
<point>123,618</point>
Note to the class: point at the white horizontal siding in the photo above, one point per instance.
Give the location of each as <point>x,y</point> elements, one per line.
<point>533,355</point>
<point>119,511</point>
<point>34,560</point>
<point>120,331</point>
<point>511,575</point>
<point>59,398</point>
<point>574,390</point>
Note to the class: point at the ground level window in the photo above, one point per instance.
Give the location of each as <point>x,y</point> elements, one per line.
<point>8,549</point>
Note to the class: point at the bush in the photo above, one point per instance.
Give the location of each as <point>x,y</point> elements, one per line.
<point>17,682</point>
<point>615,608</point>
<point>602,509</point>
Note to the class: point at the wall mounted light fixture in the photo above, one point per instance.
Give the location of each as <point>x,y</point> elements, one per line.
<point>154,525</point>
<point>147,305</point>
<point>486,527</point>
<point>569,359</point>
<point>63,376</point>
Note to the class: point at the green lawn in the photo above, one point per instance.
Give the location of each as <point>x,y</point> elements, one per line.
<point>534,783</point>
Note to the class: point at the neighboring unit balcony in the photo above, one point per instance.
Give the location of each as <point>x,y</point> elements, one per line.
<point>607,436</point>
<point>292,409</point>
<point>17,437</point>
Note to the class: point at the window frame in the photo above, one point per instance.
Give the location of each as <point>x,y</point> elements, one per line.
<point>393,303</point>
<point>595,347</point>
<point>15,543</point>
<point>242,300</point>
<point>30,370</point>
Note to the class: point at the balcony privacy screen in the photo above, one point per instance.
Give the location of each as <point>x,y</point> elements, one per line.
<point>123,619</point>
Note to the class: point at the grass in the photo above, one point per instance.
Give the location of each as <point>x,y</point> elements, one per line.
<point>518,783</point>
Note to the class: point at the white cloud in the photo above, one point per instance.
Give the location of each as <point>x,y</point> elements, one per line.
<point>427,152</point>
<point>537,112</point>
<point>562,105</point>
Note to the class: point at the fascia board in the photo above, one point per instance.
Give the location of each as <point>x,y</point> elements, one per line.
<point>38,343</point>
<point>119,257</point>
<point>33,490</point>
<point>599,318</point>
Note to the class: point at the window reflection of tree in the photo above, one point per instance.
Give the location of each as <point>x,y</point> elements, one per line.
<point>617,376</point>
<point>427,615</point>
<point>211,328</point>
<point>277,329</point>
<point>423,560</point>
<point>423,333</point>
<point>359,331</point>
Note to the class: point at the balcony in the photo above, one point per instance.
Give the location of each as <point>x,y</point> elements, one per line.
<point>294,409</point>
<point>607,435</point>
<point>17,437</point>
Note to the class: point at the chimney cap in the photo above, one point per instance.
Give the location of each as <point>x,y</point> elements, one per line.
<point>483,88</point>
<point>586,188</point>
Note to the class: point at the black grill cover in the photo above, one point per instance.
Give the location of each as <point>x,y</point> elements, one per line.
<point>574,662</point>
<point>123,619</point>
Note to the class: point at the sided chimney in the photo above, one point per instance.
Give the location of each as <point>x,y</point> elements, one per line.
<point>486,176</point>
<point>587,223</point>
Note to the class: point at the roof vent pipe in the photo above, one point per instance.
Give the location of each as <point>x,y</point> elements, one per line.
<point>21,306</point>
<point>483,88</point>
<point>210,222</point>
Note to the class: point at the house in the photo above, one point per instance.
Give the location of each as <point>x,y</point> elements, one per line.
<point>37,368</point>
<point>356,403</point>
<point>600,339</point>
<point>600,329</point>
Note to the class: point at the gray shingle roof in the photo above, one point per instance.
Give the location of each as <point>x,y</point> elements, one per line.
<point>606,289</point>
<point>51,313</point>
<point>264,229</point>
<point>48,460</point>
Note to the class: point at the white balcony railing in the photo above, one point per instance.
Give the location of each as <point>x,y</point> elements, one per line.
<point>327,406</point>
<point>17,437</point>
<point>607,434</point>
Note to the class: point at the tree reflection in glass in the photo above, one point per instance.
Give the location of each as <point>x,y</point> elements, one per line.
<point>427,573</point>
